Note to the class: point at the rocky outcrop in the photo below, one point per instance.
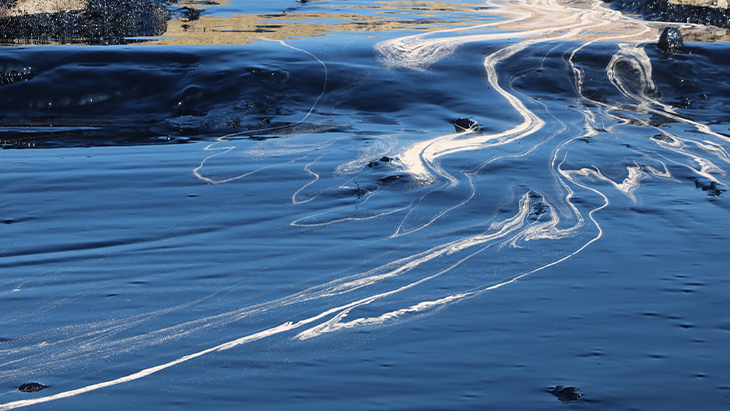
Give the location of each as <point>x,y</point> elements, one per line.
<point>705,12</point>
<point>671,40</point>
<point>100,22</point>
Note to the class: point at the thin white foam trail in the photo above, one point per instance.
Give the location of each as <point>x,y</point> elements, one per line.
<point>148,371</point>
<point>640,90</point>
<point>506,232</point>
<point>536,22</point>
<point>227,149</point>
<point>315,176</point>
<point>635,55</point>
<point>420,160</point>
<point>544,230</point>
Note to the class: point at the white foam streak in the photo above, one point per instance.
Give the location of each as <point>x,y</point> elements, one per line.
<point>294,196</point>
<point>496,231</point>
<point>420,160</point>
<point>146,372</point>
<point>223,150</point>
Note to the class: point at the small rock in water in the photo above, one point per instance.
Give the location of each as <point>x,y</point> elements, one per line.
<point>31,387</point>
<point>565,394</point>
<point>464,124</point>
<point>671,40</point>
<point>386,159</point>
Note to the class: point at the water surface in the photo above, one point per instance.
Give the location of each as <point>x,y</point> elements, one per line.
<point>295,221</point>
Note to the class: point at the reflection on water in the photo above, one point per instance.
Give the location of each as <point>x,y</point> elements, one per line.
<point>325,228</point>
<point>319,19</point>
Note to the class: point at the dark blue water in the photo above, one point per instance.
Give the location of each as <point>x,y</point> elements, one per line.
<point>298,223</point>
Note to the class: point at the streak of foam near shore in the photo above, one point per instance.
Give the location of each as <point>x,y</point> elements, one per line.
<point>528,19</point>
<point>534,22</point>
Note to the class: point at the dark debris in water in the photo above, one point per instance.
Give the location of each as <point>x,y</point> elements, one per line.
<point>391,179</point>
<point>465,124</point>
<point>662,137</point>
<point>566,394</point>
<point>31,387</point>
<point>710,188</point>
<point>376,163</point>
<point>16,144</point>
<point>540,208</point>
<point>359,191</point>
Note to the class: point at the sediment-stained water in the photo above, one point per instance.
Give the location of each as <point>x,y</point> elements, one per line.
<point>293,219</point>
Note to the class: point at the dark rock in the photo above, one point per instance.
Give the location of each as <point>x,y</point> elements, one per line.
<point>464,124</point>
<point>101,22</point>
<point>663,10</point>
<point>566,394</point>
<point>671,40</point>
<point>31,387</point>
<point>386,159</point>
<point>190,14</point>
<point>373,164</point>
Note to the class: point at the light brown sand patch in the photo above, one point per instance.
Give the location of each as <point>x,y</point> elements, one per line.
<point>23,7</point>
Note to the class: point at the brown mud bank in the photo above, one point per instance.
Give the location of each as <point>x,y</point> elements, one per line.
<point>80,21</point>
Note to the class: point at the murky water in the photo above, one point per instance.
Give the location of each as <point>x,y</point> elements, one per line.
<point>295,221</point>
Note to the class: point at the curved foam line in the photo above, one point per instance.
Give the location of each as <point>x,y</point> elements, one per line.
<point>210,147</point>
<point>316,177</point>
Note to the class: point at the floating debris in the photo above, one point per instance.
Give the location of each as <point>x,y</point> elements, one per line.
<point>360,191</point>
<point>31,387</point>
<point>566,394</point>
<point>710,188</point>
<point>390,179</point>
